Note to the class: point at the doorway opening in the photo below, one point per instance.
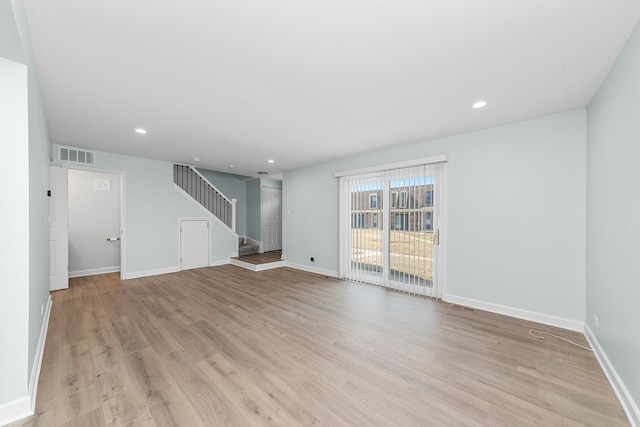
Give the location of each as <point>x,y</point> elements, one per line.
<point>90,205</point>
<point>94,223</point>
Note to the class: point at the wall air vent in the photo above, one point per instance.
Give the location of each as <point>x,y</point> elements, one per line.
<point>73,155</point>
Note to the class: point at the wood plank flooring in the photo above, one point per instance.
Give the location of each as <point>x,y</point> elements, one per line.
<point>225,346</point>
<point>263,258</point>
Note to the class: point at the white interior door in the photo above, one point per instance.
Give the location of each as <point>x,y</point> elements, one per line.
<point>194,244</point>
<point>271,219</point>
<point>94,222</point>
<point>58,229</point>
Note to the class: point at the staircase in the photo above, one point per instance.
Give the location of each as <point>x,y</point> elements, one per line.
<point>205,193</point>
<point>208,196</point>
<point>245,248</point>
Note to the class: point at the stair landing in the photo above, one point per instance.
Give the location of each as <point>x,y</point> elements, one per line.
<point>259,262</point>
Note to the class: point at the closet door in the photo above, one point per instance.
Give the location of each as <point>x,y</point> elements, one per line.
<point>194,244</point>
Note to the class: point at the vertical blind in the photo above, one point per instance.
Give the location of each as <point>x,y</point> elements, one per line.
<point>389,231</point>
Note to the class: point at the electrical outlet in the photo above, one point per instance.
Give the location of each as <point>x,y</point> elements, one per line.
<point>596,321</point>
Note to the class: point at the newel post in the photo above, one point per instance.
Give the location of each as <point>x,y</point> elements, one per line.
<point>233,214</point>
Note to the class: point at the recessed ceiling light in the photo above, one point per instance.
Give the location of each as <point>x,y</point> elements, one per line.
<point>232,166</point>
<point>271,161</point>
<point>140,130</point>
<point>479,104</point>
<point>196,159</point>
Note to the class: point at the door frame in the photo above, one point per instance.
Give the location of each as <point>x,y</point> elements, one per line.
<point>59,217</point>
<point>123,207</point>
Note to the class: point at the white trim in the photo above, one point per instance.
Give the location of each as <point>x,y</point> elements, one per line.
<point>37,360</point>
<point>547,319</point>
<point>123,225</point>
<point>257,267</point>
<point>316,270</point>
<point>94,271</point>
<point>123,204</point>
<point>423,161</point>
<point>234,213</point>
<point>25,406</point>
<point>211,215</point>
<point>621,391</point>
<point>218,262</point>
<point>271,265</point>
<point>443,226</point>
<point>147,273</point>
<point>15,410</point>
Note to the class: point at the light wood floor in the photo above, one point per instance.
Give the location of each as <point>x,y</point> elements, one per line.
<point>225,346</point>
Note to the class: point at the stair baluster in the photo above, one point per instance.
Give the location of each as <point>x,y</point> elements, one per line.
<point>205,193</point>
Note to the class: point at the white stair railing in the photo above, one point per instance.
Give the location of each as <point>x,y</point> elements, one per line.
<point>197,186</point>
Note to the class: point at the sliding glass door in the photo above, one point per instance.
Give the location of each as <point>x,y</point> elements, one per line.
<point>391,228</point>
<point>366,231</point>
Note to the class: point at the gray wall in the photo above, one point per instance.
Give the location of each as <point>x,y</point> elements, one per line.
<point>613,214</point>
<point>28,173</point>
<point>517,203</point>
<point>94,215</point>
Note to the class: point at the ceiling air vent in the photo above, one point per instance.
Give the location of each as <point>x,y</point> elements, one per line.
<point>74,155</point>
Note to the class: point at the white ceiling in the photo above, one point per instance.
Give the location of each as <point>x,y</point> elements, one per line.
<point>301,81</point>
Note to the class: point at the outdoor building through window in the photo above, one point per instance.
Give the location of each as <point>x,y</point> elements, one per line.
<point>373,201</point>
<point>404,199</point>
<point>428,198</point>
<point>394,199</point>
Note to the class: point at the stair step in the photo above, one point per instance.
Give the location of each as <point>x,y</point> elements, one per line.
<point>247,249</point>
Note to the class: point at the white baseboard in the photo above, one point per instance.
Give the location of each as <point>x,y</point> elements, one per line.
<point>218,262</point>
<point>621,391</point>
<point>37,360</point>
<point>251,241</point>
<point>560,322</point>
<point>94,271</point>
<point>25,406</point>
<point>147,273</point>
<point>316,270</point>
<point>15,410</point>
<point>257,267</point>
